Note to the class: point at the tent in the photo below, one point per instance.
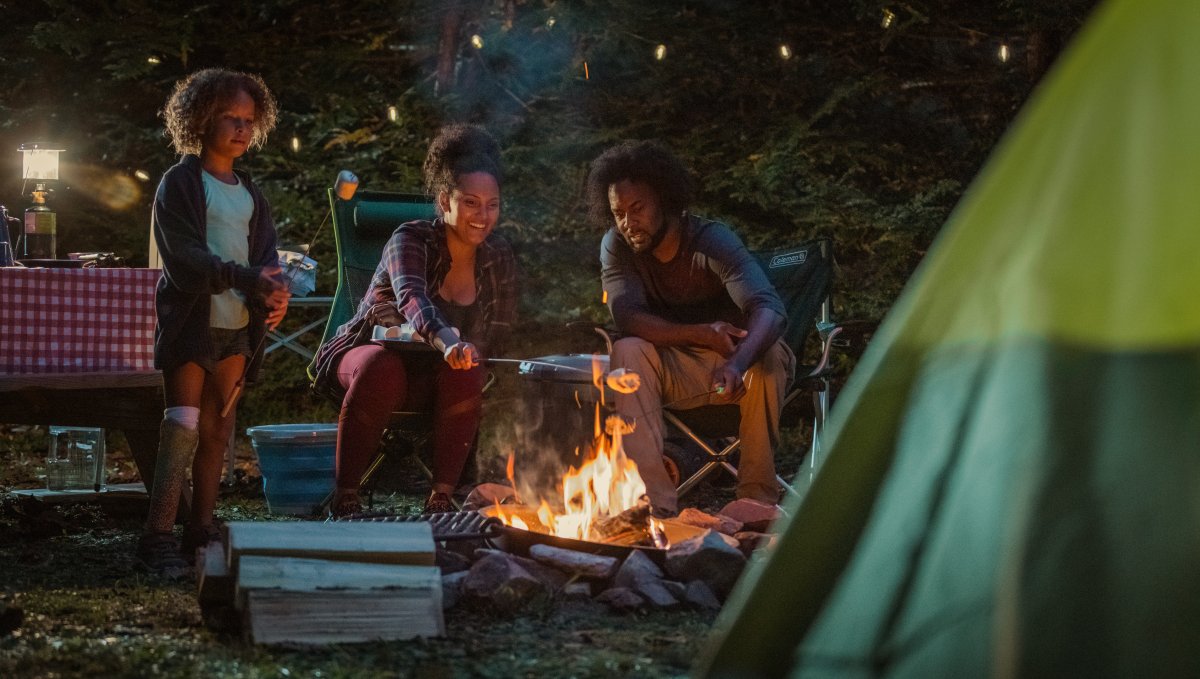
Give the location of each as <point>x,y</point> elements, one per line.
<point>1013,479</point>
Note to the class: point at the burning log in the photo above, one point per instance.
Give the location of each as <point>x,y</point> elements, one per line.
<point>630,527</point>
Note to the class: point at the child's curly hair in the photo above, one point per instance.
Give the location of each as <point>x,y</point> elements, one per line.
<point>198,99</point>
<point>459,149</point>
<point>647,162</point>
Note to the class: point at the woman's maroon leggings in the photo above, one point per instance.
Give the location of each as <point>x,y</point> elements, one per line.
<point>379,381</point>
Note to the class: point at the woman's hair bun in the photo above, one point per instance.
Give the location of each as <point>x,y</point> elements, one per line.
<point>459,149</point>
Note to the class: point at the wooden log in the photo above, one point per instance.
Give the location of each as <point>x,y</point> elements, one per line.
<point>570,561</point>
<point>408,543</point>
<point>636,518</point>
<point>314,601</point>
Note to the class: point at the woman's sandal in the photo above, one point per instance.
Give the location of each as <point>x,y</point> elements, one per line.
<point>439,503</point>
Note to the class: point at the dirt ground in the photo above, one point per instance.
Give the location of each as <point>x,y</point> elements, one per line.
<point>77,605</point>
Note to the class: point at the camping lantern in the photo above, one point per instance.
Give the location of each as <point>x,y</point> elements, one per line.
<point>39,162</point>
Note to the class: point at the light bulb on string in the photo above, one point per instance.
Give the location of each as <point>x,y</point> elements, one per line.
<point>550,22</point>
<point>888,17</point>
<point>153,60</point>
<point>660,52</point>
<point>295,144</point>
<point>142,175</point>
<point>1002,53</point>
<point>785,52</point>
<point>393,113</point>
<point>477,41</point>
<point>585,72</point>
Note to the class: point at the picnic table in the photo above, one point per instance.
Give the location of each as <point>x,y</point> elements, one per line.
<point>77,349</point>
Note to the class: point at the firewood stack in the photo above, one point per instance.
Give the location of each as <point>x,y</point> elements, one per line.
<point>311,583</point>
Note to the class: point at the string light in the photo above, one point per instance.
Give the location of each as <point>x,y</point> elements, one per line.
<point>585,71</point>
<point>660,52</point>
<point>295,144</point>
<point>785,52</point>
<point>142,175</point>
<point>1003,53</point>
<point>550,22</point>
<point>153,60</point>
<point>393,113</point>
<point>888,17</point>
<point>477,41</point>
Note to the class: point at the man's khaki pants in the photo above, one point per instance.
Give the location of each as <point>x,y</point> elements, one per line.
<point>682,377</point>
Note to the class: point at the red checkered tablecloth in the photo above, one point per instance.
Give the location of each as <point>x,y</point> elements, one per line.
<point>76,320</point>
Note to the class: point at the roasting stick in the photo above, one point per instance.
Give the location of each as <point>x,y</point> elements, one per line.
<point>344,187</point>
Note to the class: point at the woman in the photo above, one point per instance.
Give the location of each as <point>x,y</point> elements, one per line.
<point>454,282</point>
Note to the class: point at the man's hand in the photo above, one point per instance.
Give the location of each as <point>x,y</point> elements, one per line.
<point>462,355</point>
<point>727,382</point>
<point>721,337</point>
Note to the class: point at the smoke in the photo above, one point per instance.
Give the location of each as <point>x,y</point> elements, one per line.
<point>553,430</point>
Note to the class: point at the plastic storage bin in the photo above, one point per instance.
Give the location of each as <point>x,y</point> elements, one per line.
<point>297,462</point>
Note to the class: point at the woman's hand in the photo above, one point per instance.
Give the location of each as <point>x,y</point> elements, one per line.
<point>462,355</point>
<point>385,314</point>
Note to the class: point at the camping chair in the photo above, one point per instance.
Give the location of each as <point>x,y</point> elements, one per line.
<point>803,277</point>
<point>361,228</point>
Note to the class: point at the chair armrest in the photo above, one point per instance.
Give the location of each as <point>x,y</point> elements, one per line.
<point>606,332</point>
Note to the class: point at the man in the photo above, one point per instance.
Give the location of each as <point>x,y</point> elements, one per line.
<point>700,322</point>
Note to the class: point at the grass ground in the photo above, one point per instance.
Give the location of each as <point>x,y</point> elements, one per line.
<point>88,610</point>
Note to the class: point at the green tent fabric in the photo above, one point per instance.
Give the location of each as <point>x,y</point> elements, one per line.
<point>1013,480</point>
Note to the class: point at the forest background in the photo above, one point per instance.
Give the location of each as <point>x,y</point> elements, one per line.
<point>861,120</point>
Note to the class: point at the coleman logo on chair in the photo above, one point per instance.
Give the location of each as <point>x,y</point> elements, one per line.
<point>788,259</point>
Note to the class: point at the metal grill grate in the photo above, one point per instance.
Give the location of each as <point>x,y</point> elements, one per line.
<point>469,525</point>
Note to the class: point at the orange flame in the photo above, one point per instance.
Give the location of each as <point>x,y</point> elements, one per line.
<point>606,484</point>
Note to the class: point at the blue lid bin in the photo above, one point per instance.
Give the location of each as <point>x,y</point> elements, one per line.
<point>297,462</point>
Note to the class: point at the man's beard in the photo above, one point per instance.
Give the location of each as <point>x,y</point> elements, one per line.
<point>655,240</point>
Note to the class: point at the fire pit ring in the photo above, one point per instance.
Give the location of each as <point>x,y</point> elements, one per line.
<point>517,541</point>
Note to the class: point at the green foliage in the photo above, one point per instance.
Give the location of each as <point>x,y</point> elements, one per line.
<point>865,133</point>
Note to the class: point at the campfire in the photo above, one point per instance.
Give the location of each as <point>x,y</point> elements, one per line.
<point>604,498</point>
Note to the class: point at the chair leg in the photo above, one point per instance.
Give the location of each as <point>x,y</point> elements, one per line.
<point>717,459</point>
<point>369,476</point>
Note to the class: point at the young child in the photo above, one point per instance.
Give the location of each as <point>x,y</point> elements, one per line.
<point>220,290</point>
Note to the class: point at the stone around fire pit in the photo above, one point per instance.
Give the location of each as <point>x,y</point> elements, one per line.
<point>641,575</point>
<point>709,559</point>
<point>755,516</point>
<point>700,595</point>
<point>621,599</point>
<point>551,577</point>
<point>502,582</point>
<point>749,541</point>
<point>452,588</point>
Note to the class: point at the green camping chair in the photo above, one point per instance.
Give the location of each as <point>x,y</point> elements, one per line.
<point>361,228</point>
